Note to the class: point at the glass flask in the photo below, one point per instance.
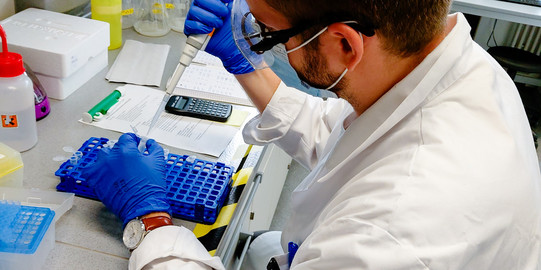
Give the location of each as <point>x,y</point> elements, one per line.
<point>152,21</point>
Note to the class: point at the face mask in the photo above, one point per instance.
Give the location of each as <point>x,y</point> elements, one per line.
<point>260,46</point>
<point>279,52</point>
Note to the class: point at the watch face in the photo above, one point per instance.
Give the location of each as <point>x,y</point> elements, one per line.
<point>133,233</point>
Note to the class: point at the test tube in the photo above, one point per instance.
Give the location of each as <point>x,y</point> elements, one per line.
<point>142,144</point>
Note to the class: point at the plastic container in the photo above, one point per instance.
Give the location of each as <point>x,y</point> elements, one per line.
<point>17,110</point>
<point>27,235</point>
<point>59,202</point>
<point>109,11</point>
<point>11,167</point>
<point>40,96</point>
<point>196,188</point>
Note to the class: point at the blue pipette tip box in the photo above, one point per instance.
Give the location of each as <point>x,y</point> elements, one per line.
<point>22,228</point>
<point>196,190</point>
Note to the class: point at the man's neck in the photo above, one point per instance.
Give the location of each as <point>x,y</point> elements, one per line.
<point>380,71</point>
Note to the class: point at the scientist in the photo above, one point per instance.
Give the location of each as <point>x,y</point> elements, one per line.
<point>425,161</point>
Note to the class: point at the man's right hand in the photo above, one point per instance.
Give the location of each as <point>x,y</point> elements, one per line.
<point>206,15</point>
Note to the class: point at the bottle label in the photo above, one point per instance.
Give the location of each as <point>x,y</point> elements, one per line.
<point>9,121</point>
<point>126,12</point>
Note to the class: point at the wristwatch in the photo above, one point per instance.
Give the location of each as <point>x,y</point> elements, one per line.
<point>136,229</point>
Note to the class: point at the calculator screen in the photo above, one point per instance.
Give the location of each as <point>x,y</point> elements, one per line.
<point>181,103</point>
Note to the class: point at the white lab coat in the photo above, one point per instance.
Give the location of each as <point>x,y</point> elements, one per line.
<point>440,173</point>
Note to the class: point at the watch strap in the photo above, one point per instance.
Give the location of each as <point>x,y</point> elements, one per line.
<point>152,223</point>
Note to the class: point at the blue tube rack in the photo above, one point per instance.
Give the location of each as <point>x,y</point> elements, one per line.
<point>196,190</point>
<point>23,227</point>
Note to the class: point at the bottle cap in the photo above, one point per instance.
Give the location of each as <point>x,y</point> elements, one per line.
<point>11,64</point>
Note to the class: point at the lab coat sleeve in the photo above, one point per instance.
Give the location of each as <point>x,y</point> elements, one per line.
<point>172,247</point>
<point>298,123</point>
<point>349,243</point>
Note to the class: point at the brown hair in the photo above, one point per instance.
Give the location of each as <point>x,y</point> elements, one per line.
<point>405,26</point>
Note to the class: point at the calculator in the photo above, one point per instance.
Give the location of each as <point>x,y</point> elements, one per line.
<point>198,108</point>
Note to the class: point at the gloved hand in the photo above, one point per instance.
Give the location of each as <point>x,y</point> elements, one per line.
<point>130,183</point>
<point>206,15</point>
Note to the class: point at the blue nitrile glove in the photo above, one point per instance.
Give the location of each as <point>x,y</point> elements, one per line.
<point>205,15</point>
<point>130,183</point>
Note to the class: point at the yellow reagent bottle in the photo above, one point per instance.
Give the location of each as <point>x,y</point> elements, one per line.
<point>109,11</point>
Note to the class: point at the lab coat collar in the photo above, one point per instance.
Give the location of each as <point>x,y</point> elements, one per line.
<point>424,82</point>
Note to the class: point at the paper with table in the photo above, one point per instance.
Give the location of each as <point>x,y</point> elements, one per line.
<point>138,104</point>
<point>206,78</point>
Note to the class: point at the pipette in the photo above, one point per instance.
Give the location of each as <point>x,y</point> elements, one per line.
<point>194,43</point>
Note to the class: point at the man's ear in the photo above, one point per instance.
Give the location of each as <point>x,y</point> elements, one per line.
<point>349,42</point>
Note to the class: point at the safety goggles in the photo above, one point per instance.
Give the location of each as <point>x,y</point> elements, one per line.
<point>256,42</point>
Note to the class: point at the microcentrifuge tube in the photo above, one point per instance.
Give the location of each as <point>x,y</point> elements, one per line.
<point>74,160</point>
<point>109,144</point>
<point>165,153</point>
<point>190,159</point>
<point>142,144</point>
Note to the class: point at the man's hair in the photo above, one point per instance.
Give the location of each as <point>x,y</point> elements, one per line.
<point>405,26</point>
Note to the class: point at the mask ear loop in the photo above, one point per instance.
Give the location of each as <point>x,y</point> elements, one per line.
<point>343,73</point>
<point>338,80</point>
<point>309,40</point>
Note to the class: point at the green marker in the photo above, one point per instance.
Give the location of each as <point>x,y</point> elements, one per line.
<point>102,107</point>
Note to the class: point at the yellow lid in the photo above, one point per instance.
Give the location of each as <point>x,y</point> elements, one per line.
<point>10,160</point>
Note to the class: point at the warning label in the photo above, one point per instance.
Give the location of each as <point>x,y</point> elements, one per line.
<point>9,120</point>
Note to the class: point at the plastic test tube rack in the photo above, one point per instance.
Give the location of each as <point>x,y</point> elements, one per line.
<point>23,227</point>
<point>196,190</point>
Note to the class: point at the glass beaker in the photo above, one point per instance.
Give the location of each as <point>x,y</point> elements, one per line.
<point>130,12</point>
<point>152,21</point>
<point>176,13</point>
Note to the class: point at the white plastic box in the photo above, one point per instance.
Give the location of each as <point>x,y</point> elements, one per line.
<point>62,48</point>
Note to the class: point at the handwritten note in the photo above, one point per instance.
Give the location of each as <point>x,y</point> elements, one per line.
<point>206,78</point>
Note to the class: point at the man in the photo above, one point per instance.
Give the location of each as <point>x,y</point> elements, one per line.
<point>425,162</point>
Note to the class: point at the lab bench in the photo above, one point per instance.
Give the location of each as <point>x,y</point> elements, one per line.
<point>88,236</point>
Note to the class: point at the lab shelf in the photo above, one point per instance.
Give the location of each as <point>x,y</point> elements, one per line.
<point>196,189</point>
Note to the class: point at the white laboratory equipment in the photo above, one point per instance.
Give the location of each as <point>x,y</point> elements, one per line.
<point>17,110</point>
<point>176,11</point>
<point>131,10</point>
<point>153,21</point>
